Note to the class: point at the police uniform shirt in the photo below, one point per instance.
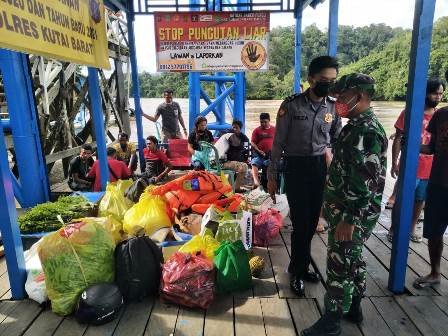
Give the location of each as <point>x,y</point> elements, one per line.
<point>304,127</point>
<point>170,117</point>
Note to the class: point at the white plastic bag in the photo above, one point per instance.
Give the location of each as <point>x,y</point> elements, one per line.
<point>258,200</point>
<point>35,281</point>
<point>222,145</point>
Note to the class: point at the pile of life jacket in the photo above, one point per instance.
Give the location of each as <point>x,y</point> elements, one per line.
<point>196,191</point>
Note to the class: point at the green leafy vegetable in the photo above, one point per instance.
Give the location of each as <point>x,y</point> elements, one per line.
<point>43,217</point>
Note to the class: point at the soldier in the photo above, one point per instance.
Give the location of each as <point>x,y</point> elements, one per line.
<point>352,202</point>
<point>306,125</point>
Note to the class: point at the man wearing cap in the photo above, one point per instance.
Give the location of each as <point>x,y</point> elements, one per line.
<point>352,202</point>
<point>306,125</point>
<point>171,117</point>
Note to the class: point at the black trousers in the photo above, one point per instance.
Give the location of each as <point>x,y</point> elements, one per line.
<point>305,180</point>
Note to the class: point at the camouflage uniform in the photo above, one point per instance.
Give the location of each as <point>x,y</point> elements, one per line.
<point>353,195</point>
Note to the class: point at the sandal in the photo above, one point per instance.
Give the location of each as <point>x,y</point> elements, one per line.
<point>321,227</point>
<point>390,205</point>
<point>416,238</point>
<point>425,281</point>
<point>390,236</point>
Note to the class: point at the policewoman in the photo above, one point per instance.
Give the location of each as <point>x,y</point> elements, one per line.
<point>306,126</point>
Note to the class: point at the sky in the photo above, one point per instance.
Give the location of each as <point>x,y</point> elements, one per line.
<point>395,13</point>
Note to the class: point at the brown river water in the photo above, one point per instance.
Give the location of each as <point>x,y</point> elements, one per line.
<point>387,113</point>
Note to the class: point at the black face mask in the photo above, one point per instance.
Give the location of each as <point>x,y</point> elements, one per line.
<point>123,146</point>
<point>321,89</point>
<point>431,103</point>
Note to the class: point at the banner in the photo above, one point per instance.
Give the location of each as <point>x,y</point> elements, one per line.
<point>69,30</point>
<point>212,41</point>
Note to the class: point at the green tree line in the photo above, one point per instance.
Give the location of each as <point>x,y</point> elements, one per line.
<point>377,50</point>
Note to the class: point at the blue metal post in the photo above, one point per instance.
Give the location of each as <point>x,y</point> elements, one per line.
<point>418,69</point>
<point>194,88</point>
<point>220,110</point>
<point>9,228</point>
<point>98,123</point>
<point>239,98</point>
<point>136,89</point>
<point>333,16</point>
<point>25,127</point>
<point>298,49</point>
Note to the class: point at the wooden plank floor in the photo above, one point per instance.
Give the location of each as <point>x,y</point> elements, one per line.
<point>270,308</point>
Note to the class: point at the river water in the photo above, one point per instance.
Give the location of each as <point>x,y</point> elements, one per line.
<point>387,113</point>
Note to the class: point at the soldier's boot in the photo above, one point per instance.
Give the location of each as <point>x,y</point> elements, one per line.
<point>328,325</point>
<point>355,313</point>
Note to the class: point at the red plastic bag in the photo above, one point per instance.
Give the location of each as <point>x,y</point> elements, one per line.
<point>267,225</point>
<point>188,280</point>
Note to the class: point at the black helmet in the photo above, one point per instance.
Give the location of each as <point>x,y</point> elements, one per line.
<point>99,304</point>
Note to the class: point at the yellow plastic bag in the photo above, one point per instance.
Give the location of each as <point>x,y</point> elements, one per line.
<point>149,215</point>
<point>205,244</point>
<point>113,203</point>
<point>123,185</point>
<point>110,223</point>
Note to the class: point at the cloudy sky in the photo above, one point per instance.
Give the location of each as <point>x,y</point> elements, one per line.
<point>395,13</point>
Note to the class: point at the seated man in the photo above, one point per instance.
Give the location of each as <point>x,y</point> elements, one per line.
<point>237,154</point>
<point>157,164</point>
<point>117,170</point>
<point>126,151</point>
<point>78,169</point>
<point>262,139</point>
<point>200,133</point>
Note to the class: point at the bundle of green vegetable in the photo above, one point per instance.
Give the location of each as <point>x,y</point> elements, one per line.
<point>43,217</point>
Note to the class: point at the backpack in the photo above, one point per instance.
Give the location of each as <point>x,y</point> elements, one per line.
<point>138,268</point>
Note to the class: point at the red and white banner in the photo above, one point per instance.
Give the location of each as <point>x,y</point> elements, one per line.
<point>212,41</point>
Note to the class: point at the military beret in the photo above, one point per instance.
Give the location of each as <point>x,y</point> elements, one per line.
<point>356,81</point>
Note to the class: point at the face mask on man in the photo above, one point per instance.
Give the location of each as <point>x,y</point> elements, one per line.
<point>344,109</point>
<point>321,89</point>
<point>431,103</point>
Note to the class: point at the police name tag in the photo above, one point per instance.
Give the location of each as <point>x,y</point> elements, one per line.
<point>301,117</point>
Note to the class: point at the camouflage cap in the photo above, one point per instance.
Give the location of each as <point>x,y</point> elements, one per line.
<point>356,81</point>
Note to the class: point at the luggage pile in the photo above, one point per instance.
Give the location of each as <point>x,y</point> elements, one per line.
<point>185,240</point>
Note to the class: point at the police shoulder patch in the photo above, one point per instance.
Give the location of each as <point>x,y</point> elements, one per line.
<point>281,112</point>
<point>292,97</point>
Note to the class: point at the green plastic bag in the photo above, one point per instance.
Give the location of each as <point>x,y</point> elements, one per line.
<point>229,230</point>
<point>73,258</point>
<point>232,264</point>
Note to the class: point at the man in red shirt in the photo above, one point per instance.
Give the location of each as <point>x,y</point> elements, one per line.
<point>434,91</point>
<point>157,163</point>
<point>262,139</point>
<point>118,170</point>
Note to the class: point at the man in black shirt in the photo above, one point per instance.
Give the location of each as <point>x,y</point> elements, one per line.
<point>78,169</point>
<point>200,133</point>
<point>171,117</point>
<point>237,154</point>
